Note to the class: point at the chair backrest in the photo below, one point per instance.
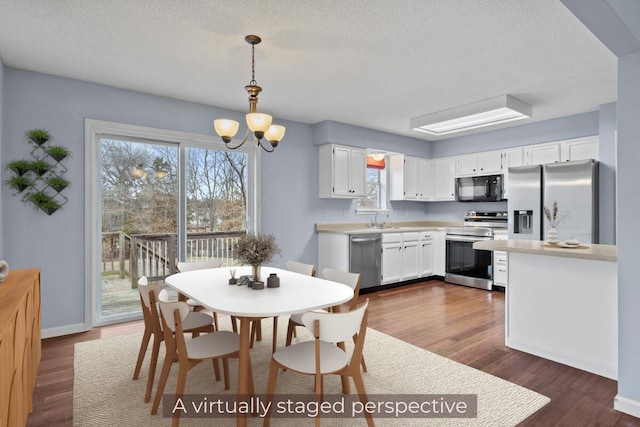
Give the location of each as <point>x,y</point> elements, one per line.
<point>336,327</point>
<point>146,290</point>
<point>298,267</point>
<point>167,309</point>
<point>199,265</point>
<point>346,278</point>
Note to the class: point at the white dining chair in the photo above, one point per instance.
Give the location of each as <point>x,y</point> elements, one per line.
<point>149,296</point>
<point>189,353</point>
<point>199,265</point>
<point>322,356</point>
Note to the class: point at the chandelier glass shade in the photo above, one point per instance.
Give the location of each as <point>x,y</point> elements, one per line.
<point>259,125</point>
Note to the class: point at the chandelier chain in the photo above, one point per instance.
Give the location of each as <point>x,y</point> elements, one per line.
<point>253,66</point>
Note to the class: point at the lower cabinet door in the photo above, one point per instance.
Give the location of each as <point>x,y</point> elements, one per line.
<point>391,263</point>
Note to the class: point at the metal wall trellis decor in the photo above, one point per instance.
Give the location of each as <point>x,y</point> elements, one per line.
<point>40,181</point>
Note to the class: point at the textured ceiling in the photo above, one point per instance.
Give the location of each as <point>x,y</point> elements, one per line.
<point>373,63</point>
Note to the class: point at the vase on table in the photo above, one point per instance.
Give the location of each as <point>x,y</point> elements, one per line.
<point>255,272</point>
<point>552,236</point>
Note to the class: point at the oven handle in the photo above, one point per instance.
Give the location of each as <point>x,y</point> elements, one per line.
<point>467,239</point>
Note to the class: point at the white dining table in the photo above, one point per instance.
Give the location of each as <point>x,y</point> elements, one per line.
<point>297,293</point>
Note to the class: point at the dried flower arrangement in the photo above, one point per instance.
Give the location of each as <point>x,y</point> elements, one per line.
<point>256,249</point>
<point>552,215</point>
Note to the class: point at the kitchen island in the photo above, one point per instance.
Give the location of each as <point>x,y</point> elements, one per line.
<point>562,303</point>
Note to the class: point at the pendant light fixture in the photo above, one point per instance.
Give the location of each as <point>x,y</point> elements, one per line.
<point>258,124</point>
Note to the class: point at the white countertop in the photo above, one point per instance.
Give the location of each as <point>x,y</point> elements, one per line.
<point>595,252</point>
<point>390,227</point>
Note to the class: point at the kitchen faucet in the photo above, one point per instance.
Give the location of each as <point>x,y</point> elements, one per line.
<point>375,223</point>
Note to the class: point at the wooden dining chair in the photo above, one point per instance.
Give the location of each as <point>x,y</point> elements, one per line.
<point>149,296</point>
<point>199,265</point>
<point>346,278</point>
<point>296,267</point>
<point>322,356</point>
<point>212,346</point>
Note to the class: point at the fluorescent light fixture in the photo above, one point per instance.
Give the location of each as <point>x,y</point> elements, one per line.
<point>492,111</point>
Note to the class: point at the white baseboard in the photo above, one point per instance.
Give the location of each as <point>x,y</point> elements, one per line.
<point>597,368</point>
<point>63,330</point>
<point>628,406</point>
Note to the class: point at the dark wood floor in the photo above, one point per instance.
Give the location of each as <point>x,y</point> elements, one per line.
<point>463,324</point>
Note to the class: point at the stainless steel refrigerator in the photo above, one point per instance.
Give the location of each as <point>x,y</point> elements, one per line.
<point>574,185</point>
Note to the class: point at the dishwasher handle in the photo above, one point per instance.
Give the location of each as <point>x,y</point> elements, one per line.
<point>364,239</point>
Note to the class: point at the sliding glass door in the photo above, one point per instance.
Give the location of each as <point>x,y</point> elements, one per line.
<point>156,201</point>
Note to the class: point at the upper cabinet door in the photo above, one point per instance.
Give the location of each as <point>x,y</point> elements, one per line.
<point>341,171</point>
<point>426,186</point>
<point>490,162</point>
<point>580,149</point>
<point>444,171</point>
<point>358,172</point>
<point>410,177</point>
<point>542,153</point>
<point>467,165</point>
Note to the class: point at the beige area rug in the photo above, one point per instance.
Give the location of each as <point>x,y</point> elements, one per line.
<point>105,395</point>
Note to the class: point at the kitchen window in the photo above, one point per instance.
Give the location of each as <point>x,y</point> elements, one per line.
<point>375,199</point>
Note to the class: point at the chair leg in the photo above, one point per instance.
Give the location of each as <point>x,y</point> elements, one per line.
<point>362,362</point>
<point>274,343</point>
<point>215,321</point>
<point>291,328</point>
<point>166,367</point>
<point>359,383</point>
<point>225,368</point>
<point>182,380</point>
<point>153,363</point>
<point>216,369</point>
<point>258,324</point>
<point>271,390</point>
<point>143,350</point>
<point>234,325</point>
<point>346,388</point>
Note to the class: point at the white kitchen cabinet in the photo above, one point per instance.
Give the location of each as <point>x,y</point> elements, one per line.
<point>410,255</point>
<point>490,162</point>
<point>426,186</point>
<point>511,157</point>
<point>391,258</point>
<point>541,154</point>
<point>467,165</point>
<point>439,253</point>
<point>476,164</point>
<point>425,253</point>
<point>343,171</point>
<point>410,178</point>
<point>500,269</point>
<point>580,149</point>
<point>444,177</point>
<point>333,251</point>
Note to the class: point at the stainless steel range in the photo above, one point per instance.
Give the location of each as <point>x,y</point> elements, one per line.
<point>468,266</point>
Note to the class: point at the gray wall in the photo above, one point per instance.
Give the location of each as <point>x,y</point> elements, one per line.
<point>616,24</point>
<point>628,207</point>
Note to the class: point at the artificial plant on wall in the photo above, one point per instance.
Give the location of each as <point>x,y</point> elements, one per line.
<point>40,181</point>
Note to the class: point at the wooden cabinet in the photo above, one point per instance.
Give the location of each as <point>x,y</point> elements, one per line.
<point>391,258</point>
<point>343,171</point>
<point>580,149</point>
<point>425,254</point>
<point>444,177</point>
<point>19,344</point>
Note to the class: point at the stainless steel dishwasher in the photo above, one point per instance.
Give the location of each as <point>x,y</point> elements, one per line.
<point>365,252</point>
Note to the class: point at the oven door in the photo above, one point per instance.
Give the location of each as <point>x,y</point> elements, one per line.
<point>468,266</point>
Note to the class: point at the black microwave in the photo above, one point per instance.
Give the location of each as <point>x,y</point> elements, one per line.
<point>486,188</point>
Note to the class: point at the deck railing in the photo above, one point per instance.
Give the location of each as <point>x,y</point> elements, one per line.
<point>156,255</point>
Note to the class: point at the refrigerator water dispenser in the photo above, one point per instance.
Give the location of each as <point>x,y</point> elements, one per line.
<point>523,222</point>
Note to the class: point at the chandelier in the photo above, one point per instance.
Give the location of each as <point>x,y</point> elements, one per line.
<point>257,123</point>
